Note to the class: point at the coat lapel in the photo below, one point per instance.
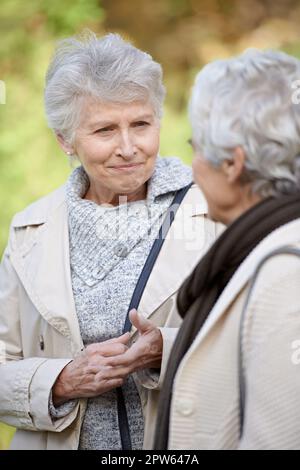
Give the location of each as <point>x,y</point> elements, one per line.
<point>44,269</point>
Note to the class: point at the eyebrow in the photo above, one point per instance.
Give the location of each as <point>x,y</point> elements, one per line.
<point>143,117</point>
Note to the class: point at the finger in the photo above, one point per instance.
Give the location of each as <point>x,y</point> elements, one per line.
<point>120,339</point>
<point>112,349</point>
<point>124,360</point>
<point>111,384</point>
<point>140,322</point>
<point>109,373</point>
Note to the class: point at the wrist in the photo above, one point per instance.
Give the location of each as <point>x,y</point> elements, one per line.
<point>60,392</point>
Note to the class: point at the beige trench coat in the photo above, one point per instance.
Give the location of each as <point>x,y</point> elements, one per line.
<point>37,306</point>
<point>205,406</point>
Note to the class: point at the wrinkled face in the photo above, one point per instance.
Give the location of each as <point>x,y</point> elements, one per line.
<point>117,144</point>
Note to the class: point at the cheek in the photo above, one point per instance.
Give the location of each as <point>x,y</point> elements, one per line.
<point>95,152</point>
<point>150,143</point>
<point>198,170</point>
<point>207,180</point>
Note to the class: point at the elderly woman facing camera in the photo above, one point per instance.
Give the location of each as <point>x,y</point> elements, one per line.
<point>81,258</point>
<point>233,381</point>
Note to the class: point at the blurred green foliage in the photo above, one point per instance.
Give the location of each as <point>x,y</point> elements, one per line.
<point>6,434</point>
<point>181,34</point>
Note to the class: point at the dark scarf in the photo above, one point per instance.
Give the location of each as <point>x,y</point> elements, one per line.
<point>202,288</point>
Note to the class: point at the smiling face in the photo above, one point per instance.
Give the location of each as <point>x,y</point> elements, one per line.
<point>117,144</point>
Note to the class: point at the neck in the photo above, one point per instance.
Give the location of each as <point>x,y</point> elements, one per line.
<point>106,196</point>
<point>246,200</point>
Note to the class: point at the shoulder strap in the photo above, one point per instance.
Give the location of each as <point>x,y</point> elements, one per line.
<point>135,300</point>
<point>154,252</point>
<point>286,250</point>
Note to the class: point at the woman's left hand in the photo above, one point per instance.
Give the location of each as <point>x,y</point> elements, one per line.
<point>146,351</point>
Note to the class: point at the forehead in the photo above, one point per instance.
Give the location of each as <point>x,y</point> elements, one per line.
<point>94,112</point>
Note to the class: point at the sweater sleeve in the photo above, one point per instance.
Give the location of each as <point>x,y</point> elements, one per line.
<point>62,410</point>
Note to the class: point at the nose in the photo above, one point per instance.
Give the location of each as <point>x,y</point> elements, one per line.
<point>126,146</point>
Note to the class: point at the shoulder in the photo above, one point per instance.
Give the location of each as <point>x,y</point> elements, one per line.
<point>266,257</point>
<point>274,282</point>
<point>271,257</point>
<point>270,273</point>
<point>271,313</point>
<point>278,272</point>
<point>39,211</point>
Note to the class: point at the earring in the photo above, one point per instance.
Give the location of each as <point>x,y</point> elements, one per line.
<point>68,153</point>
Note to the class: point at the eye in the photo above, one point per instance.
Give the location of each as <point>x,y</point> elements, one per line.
<point>104,130</point>
<point>141,124</point>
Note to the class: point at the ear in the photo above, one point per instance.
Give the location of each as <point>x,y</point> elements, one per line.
<point>67,148</point>
<point>234,168</point>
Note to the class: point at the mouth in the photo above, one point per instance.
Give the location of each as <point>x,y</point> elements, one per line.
<point>128,167</point>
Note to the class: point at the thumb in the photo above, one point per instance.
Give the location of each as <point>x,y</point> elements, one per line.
<point>140,322</point>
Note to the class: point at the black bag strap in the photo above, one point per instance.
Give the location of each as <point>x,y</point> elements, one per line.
<point>136,297</point>
<point>154,252</point>
<point>286,250</point>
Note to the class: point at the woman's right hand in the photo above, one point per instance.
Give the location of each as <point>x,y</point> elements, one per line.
<point>88,375</point>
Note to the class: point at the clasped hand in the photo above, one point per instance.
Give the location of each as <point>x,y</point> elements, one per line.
<point>104,366</point>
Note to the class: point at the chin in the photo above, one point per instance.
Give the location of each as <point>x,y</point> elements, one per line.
<point>131,184</point>
<point>212,216</point>
<point>127,190</point>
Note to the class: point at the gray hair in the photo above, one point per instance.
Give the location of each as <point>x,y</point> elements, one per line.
<point>247,101</point>
<point>108,69</point>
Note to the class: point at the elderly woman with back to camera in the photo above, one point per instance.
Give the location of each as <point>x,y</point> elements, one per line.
<point>81,258</point>
<point>233,381</point>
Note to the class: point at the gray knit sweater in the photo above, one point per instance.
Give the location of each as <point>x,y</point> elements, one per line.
<point>108,249</point>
